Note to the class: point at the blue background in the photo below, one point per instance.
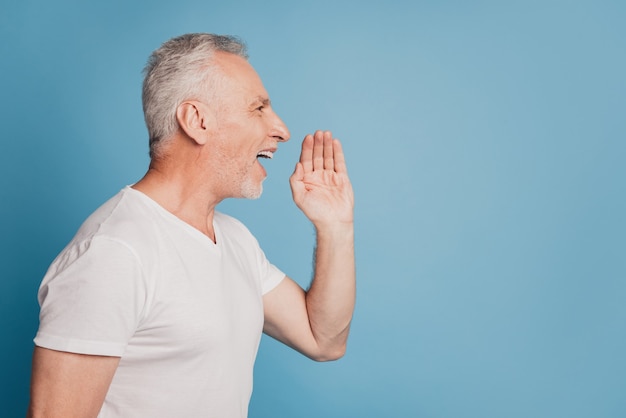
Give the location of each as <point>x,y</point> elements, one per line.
<point>486,144</point>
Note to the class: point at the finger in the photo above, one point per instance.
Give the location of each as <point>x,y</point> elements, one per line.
<point>318,151</point>
<point>297,186</point>
<point>306,155</point>
<point>297,175</point>
<point>340,160</point>
<point>329,162</point>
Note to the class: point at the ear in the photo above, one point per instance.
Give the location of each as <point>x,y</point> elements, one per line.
<point>194,120</point>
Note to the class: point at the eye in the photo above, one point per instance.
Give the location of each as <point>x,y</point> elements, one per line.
<point>260,108</point>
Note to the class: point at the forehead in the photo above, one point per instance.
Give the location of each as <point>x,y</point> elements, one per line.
<point>239,80</point>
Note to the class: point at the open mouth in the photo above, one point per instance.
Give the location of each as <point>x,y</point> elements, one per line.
<point>265,154</point>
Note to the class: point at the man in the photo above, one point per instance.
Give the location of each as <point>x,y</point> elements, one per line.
<point>156,307</point>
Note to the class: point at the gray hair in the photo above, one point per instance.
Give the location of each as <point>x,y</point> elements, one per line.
<point>177,71</point>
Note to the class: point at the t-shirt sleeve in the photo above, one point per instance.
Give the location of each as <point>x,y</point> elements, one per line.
<point>272,277</point>
<point>91,298</point>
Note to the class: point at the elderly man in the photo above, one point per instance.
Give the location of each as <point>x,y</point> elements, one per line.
<point>156,307</point>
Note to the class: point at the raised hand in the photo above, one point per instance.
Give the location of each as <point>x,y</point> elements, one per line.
<point>320,184</point>
<point>316,322</point>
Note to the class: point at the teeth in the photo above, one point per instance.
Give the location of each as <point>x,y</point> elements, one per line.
<point>266,154</point>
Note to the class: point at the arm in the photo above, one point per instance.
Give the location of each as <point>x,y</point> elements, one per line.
<point>69,385</point>
<point>317,322</point>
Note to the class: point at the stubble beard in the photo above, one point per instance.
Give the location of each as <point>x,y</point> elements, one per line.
<point>250,189</point>
<point>241,180</point>
<point>248,186</point>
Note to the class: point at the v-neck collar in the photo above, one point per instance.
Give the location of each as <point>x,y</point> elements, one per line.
<point>175,219</point>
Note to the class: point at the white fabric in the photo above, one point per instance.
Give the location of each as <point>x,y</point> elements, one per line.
<point>184,314</point>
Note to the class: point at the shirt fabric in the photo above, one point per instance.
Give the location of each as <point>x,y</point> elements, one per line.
<point>185,314</point>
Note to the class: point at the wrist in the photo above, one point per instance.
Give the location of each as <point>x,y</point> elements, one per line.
<point>335,230</point>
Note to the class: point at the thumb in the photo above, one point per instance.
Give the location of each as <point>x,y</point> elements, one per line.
<point>296,179</point>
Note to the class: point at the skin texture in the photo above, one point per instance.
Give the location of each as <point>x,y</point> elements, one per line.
<point>317,322</point>
<point>212,157</point>
<point>69,385</point>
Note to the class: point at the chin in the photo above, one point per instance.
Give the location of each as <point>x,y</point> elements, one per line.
<point>252,192</point>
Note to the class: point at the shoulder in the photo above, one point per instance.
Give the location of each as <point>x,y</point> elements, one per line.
<point>126,223</point>
<point>109,229</point>
<point>127,216</point>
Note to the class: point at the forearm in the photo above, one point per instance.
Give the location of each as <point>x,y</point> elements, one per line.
<point>318,321</point>
<point>331,297</point>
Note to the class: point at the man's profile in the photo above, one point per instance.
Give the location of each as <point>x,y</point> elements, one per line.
<point>156,306</point>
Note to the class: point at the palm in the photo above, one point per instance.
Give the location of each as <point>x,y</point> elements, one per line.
<point>320,184</point>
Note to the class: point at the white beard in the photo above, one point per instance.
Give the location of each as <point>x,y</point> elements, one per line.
<point>241,183</point>
<point>251,190</point>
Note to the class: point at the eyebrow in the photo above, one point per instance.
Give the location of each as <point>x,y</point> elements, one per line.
<point>263,100</point>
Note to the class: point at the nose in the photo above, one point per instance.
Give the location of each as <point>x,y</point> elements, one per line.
<point>279,130</point>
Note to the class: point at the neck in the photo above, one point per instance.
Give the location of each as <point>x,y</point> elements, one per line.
<point>181,193</point>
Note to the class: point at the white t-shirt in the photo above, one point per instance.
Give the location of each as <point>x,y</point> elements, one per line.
<point>185,314</point>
